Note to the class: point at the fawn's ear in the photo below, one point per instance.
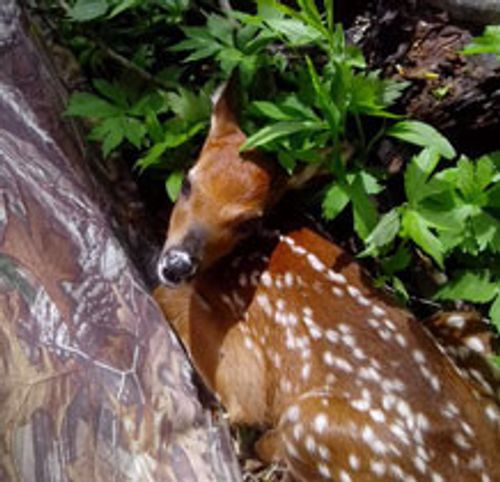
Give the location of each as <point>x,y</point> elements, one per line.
<point>224,107</point>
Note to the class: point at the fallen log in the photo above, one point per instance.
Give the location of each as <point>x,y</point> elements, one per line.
<point>94,385</point>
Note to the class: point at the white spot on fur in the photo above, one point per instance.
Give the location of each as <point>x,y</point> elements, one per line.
<point>456,321</point>
<point>336,277</point>
<point>320,423</point>
<point>354,462</point>
<point>475,344</point>
<point>266,279</point>
<point>378,312</point>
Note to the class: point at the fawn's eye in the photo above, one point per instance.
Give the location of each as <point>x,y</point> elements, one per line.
<point>186,187</point>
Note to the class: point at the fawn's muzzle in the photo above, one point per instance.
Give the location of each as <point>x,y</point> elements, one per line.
<point>176,266</point>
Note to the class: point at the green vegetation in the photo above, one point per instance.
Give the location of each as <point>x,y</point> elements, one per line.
<point>487,43</point>
<point>307,98</point>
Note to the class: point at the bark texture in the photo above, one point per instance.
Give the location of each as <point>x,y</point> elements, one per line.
<point>94,386</point>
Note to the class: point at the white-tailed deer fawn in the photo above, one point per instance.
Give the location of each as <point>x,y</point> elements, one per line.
<point>291,336</point>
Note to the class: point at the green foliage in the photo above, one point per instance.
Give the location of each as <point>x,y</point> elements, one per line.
<point>423,135</point>
<point>451,212</point>
<point>306,95</point>
<point>86,10</point>
<point>487,43</point>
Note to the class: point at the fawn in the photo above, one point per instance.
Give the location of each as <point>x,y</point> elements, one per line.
<point>289,333</point>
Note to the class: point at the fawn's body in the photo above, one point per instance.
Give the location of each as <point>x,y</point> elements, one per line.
<point>292,338</point>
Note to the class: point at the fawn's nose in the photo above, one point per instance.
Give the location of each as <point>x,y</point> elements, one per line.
<point>176,266</point>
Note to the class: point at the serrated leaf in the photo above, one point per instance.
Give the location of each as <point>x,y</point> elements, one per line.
<point>83,104</point>
<point>134,131</point>
<point>417,229</point>
<point>368,95</point>
<point>370,183</point>
<point>178,135</point>
<point>422,134</point>
<point>295,31</point>
<point>152,102</point>
<point>384,232</point>
<point>474,286</point>
<point>486,230</point>
<point>173,184</point>
<point>84,10</point>
<point>111,91</point>
<point>188,105</point>
<point>110,133</point>
<point>334,202</point>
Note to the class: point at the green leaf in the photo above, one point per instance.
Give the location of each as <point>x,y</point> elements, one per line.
<point>85,10</point>
<point>150,103</point>
<point>177,135</point>
<point>487,43</point>
<point>110,132</point>
<point>88,105</point>
<point>295,31</point>
<point>330,110</point>
<point>486,230</point>
<point>416,228</point>
<point>399,261</point>
<point>334,202</point>
<point>384,232</point>
<point>188,105</point>
<point>370,183</point>
<point>287,161</point>
<point>288,109</point>
<point>474,286</point>
<point>271,111</point>
<point>173,184</point>
<point>276,131</point>
<point>113,92</point>
<point>364,211</point>
<point>421,134</point>
<point>400,288</point>
<point>134,131</point>
<point>122,6</point>
<point>494,315</point>
<point>371,95</point>
<point>221,28</point>
<point>417,173</point>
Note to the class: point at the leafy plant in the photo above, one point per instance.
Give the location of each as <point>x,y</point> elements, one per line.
<point>487,43</point>
<point>308,98</point>
<point>86,10</point>
<point>453,211</point>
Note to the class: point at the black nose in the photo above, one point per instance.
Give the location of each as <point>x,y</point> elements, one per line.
<point>176,266</point>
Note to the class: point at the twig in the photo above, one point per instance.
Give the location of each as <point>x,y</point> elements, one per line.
<point>225,6</point>
<point>124,62</point>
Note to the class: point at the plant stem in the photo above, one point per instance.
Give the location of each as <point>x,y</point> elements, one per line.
<point>127,64</point>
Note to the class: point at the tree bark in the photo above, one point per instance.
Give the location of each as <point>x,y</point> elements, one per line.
<point>94,386</point>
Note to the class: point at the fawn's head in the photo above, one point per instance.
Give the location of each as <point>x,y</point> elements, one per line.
<point>222,199</point>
